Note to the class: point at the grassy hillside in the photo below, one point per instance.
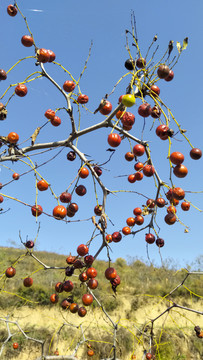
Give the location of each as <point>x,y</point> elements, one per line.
<point>141,296</point>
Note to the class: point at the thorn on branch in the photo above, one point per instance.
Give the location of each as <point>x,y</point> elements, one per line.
<point>103,222</point>
<point>95,223</point>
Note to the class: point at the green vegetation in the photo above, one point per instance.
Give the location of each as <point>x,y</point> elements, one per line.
<point>141,286</point>
<point>137,278</point>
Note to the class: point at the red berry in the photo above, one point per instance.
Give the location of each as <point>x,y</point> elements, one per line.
<point>120,99</point>
<point>65,197</point>
<point>68,286</point>
<point>92,284</point>
<point>27,282</point>
<point>177,158</point>
<point>137,211</point>
<point>154,90</point>
<point>87,299</point>
<point>106,109</point>
<point>54,298</point>
<point>21,90</point>
<point>160,242</point>
<point>109,238</point>
<point>82,250</point>
<point>163,71</point>
<point>13,137</point>
<point>116,281</point>
<point>27,40</point>
<point>69,86</point>
<point>150,238</point>
<point>82,311</point>
<point>185,206</point>
<point>89,259</point>
<point>171,209</point>
<point>138,176</point>
<point>140,63</point>
<point>70,259</point>
<point>180,171</point>
<point>130,64</point>
<point>83,172</point>
<point>12,10</point>
<point>162,131</point>
<point>150,203</point>
<point>59,287</point>
<point>195,154</point>
<point>56,121</point>
<point>50,114</point>
<point>110,273</point>
<point>148,170</point>
<point>59,212</point>
<point>114,139</point>
<point>128,119</point>
<point>119,114</point>
<point>74,308</point>
<point>126,230</point>
<point>131,178</point>
<point>10,272</point>
<point>78,264</point>
<point>81,190</point>
<point>15,176</point>
<point>91,272</point>
<point>3,75</point>
<point>36,210</point>
<point>144,110</point>
<point>73,207</point>
<point>71,155</point>
<point>82,99</point>
<point>139,220</point>
<point>130,221</point>
<point>129,156</point>
<point>43,55</point>
<point>170,219</point>
<point>42,185</point>
<point>160,202</point>
<point>116,236</point>
<point>138,166</point>
<point>178,193</point>
<point>139,150</point>
<point>156,112</point>
<point>52,56</point>
<point>65,304</point>
<point>98,210</point>
<point>170,76</point>
<point>98,170</point>
<point>29,244</point>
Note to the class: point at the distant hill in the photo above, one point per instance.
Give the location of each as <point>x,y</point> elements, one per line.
<point>141,296</point>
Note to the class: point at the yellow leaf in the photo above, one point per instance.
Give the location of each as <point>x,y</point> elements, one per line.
<point>34,135</point>
<point>178,45</point>
<point>185,43</point>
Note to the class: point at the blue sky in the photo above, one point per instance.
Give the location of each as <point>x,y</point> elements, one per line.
<point>68,29</point>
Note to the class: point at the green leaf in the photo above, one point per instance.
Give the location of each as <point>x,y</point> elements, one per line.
<point>185,43</point>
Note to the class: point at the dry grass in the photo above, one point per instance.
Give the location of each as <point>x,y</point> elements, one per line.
<point>140,298</point>
<point>47,320</point>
